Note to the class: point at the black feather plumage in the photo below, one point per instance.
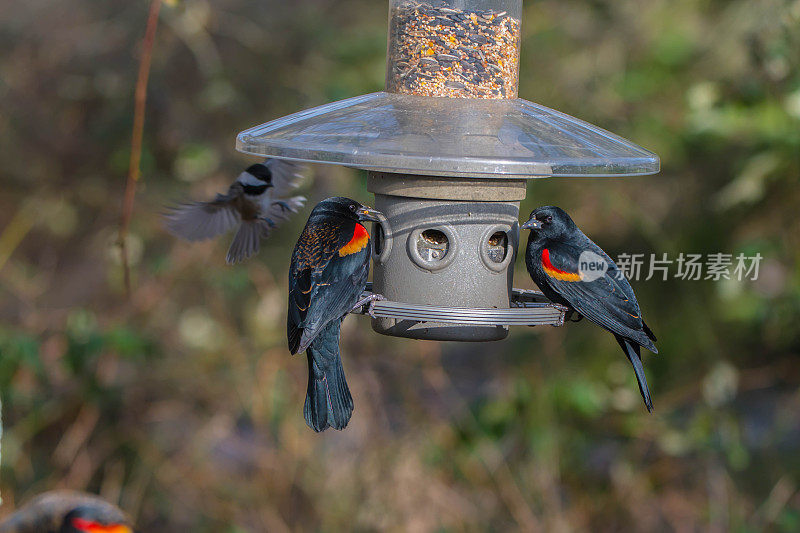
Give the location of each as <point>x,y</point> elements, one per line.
<point>326,278</point>
<point>607,299</point>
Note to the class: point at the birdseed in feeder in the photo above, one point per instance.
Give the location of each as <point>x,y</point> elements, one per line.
<point>440,51</point>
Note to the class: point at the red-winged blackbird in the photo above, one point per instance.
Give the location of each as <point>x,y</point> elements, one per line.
<point>66,511</point>
<point>328,273</point>
<point>573,271</point>
<point>256,202</point>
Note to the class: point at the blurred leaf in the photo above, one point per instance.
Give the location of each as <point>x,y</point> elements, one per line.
<point>195,162</point>
<point>17,350</point>
<point>749,186</point>
<point>129,343</point>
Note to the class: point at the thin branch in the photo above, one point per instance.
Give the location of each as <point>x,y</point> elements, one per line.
<point>134,169</point>
<point>13,234</point>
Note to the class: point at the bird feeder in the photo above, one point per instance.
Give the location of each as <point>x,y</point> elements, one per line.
<point>449,148</point>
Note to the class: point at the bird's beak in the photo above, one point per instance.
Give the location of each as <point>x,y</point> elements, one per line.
<point>367,213</point>
<point>532,224</point>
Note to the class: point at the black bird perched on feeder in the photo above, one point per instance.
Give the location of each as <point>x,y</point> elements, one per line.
<point>574,272</point>
<point>328,273</point>
<point>256,202</point>
<point>65,511</point>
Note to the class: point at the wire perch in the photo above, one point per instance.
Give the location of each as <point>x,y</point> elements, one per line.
<point>528,308</point>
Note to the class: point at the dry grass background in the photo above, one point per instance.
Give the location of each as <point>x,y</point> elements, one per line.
<point>182,403</point>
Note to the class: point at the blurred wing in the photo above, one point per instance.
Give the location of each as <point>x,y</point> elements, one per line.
<point>247,240</point>
<point>608,301</point>
<point>286,176</point>
<point>196,221</point>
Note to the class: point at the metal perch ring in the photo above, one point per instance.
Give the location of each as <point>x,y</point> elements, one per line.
<point>528,308</point>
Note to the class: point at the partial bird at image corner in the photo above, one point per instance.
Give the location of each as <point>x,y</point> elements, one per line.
<point>67,511</point>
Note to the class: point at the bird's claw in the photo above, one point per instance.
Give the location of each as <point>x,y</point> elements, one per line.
<point>283,205</point>
<point>564,310</point>
<point>371,308</point>
<point>270,222</point>
<point>371,300</point>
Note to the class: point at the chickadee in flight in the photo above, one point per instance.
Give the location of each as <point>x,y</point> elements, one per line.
<point>256,202</point>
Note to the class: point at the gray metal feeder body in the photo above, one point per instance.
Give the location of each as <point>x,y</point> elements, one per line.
<point>449,148</point>
<point>453,244</point>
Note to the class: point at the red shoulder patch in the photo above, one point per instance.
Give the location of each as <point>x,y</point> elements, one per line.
<point>357,242</point>
<point>556,273</point>
<point>90,526</point>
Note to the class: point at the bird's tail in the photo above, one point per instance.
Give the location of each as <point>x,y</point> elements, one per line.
<point>328,400</point>
<point>634,356</point>
<point>248,239</point>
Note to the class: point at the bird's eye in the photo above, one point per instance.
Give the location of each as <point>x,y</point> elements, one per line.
<point>353,207</point>
<point>548,218</point>
<point>544,218</point>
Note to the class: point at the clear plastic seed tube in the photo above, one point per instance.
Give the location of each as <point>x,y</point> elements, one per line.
<point>454,48</point>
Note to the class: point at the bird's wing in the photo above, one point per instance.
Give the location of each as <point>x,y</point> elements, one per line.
<point>196,221</point>
<point>286,176</point>
<point>608,300</point>
<point>322,284</point>
<point>337,290</point>
<point>314,249</point>
<point>247,240</point>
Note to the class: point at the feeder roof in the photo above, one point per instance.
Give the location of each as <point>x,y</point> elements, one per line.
<point>454,137</point>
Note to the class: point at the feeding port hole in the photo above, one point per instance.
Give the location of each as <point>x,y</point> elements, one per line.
<point>432,245</point>
<point>497,247</point>
<point>377,239</point>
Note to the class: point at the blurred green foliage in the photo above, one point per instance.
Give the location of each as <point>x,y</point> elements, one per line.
<point>183,404</point>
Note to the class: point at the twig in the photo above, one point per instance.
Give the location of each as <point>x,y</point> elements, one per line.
<point>779,497</point>
<point>19,226</point>
<point>1,439</point>
<point>140,101</point>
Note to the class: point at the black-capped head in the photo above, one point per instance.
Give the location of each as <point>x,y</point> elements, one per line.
<point>342,207</point>
<point>95,519</point>
<point>549,222</point>
<point>261,172</point>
